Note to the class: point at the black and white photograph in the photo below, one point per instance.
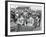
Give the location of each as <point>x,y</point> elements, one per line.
<point>25,18</point>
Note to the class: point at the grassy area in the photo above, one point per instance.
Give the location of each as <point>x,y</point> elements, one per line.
<point>23,28</point>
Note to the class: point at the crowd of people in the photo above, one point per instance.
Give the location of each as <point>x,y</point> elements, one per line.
<point>24,16</point>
